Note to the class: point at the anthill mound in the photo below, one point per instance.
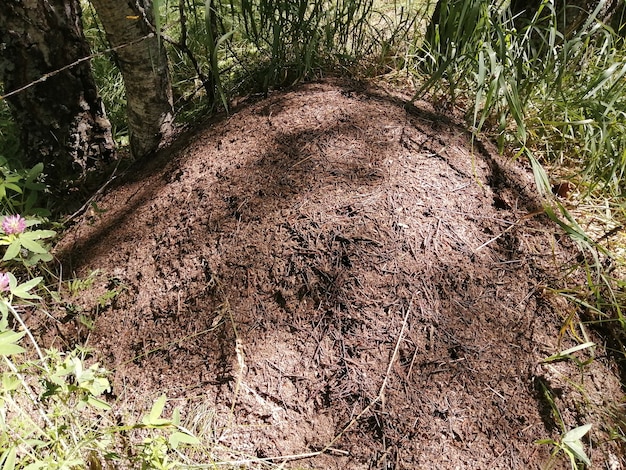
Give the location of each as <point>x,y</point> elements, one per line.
<point>327,269</point>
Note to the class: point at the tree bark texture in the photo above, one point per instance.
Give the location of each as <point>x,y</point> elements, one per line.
<point>62,119</point>
<point>143,63</point>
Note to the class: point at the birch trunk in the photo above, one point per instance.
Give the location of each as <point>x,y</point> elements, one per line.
<point>143,64</point>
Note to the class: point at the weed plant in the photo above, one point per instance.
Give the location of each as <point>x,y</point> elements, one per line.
<point>555,94</point>
<point>219,49</point>
<point>53,411</point>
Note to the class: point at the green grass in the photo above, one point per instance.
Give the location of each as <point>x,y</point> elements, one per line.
<point>562,97</point>
<point>555,98</point>
<point>222,49</point>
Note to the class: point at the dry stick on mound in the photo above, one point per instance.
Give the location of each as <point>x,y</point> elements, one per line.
<point>329,446</point>
<point>509,228</point>
<point>381,392</point>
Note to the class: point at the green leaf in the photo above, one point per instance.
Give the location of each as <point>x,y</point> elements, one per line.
<point>14,187</point>
<point>97,385</point>
<point>34,186</point>
<point>576,448</point>
<point>158,407</point>
<point>571,440</point>
<point>4,314</point>
<point>34,172</point>
<point>12,251</point>
<point>31,245</point>
<point>12,281</point>
<point>576,433</point>
<point>8,459</point>
<point>36,258</point>
<point>40,465</point>
<point>28,285</point>
<point>8,340</point>
<point>10,349</point>
<point>565,354</point>
<point>25,295</point>
<point>178,437</point>
<point>176,417</point>
<point>154,418</point>
<point>39,234</point>
<point>545,441</point>
<point>10,382</point>
<point>99,404</point>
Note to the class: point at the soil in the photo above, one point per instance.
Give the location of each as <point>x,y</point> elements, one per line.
<point>329,278</point>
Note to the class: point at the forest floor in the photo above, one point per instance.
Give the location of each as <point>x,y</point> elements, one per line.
<point>329,279</point>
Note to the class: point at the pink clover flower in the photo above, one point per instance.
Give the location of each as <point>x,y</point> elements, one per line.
<point>13,224</point>
<point>4,282</point>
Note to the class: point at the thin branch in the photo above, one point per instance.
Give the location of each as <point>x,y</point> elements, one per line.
<point>381,392</point>
<point>46,76</point>
<point>18,317</point>
<point>329,447</point>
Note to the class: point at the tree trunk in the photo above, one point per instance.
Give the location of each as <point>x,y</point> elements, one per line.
<point>143,63</point>
<point>62,120</point>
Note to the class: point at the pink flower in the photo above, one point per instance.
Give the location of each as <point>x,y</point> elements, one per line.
<point>4,282</point>
<point>13,224</point>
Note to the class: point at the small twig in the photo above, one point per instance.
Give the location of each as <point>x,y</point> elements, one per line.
<point>29,334</point>
<point>284,458</point>
<point>301,161</point>
<point>90,201</point>
<point>408,374</point>
<point>488,242</point>
<point>513,224</point>
<point>381,391</point>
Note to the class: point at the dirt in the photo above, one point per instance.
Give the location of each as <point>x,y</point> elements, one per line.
<point>329,279</point>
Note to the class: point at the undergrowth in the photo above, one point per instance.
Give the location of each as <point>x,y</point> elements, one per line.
<point>554,94</point>
<point>54,408</point>
<point>219,50</point>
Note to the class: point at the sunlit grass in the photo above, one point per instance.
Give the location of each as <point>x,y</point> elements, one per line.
<point>563,97</point>
<point>558,99</point>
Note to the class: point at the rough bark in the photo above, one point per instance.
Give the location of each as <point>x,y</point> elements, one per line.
<point>62,119</point>
<point>143,64</point>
